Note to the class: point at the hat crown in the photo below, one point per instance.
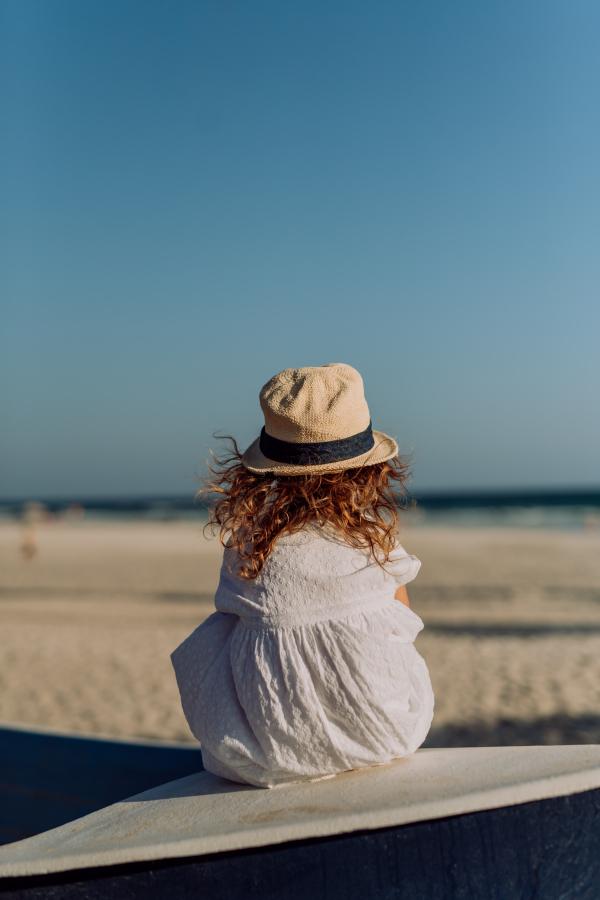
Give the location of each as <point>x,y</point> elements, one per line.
<point>315,404</point>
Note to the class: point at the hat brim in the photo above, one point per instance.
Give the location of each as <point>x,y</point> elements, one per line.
<point>384,448</point>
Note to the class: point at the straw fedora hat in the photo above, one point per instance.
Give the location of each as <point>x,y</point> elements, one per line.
<point>316,420</point>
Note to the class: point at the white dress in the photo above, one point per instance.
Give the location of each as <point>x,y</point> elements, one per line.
<point>308,670</point>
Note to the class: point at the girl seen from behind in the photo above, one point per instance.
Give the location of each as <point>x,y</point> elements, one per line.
<point>308,666</point>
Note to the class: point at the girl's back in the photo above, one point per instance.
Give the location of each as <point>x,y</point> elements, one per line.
<point>312,576</point>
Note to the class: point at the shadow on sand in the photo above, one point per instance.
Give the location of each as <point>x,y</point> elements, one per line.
<point>506,732</point>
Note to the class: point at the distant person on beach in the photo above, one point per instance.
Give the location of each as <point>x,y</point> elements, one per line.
<point>308,666</point>
<point>31,516</point>
<point>28,546</point>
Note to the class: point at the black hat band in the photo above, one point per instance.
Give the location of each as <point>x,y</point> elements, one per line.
<point>318,453</point>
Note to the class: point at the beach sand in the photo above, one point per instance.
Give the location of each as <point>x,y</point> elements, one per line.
<point>511,639</point>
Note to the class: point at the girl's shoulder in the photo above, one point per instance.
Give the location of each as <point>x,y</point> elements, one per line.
<point>315,542</point>
<point>321,551</point>
<point>319,546</point>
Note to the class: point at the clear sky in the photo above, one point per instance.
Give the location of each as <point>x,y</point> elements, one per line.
<point>198,194</point>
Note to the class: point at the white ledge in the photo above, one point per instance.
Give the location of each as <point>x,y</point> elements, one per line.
<point>204,814</point>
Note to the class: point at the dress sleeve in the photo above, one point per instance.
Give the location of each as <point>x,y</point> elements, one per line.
<point>402,565</point>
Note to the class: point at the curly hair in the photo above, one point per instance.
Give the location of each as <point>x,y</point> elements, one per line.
<point>251,511</point>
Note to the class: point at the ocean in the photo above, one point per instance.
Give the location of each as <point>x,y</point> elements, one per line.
<point>577,509</point>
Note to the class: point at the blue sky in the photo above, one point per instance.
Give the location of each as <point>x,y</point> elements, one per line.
<point>196,195</point>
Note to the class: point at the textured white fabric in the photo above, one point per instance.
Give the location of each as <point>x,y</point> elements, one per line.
<point>308,670</point>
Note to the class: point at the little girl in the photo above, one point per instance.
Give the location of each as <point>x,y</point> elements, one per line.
<point>308,666</point>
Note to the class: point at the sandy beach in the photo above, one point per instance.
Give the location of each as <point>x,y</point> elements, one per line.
<point>511,639</point>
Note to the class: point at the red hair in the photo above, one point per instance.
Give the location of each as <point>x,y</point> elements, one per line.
<point>251,511</point>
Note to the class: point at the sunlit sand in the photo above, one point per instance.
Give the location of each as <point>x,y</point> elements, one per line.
<point>87,624</point>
